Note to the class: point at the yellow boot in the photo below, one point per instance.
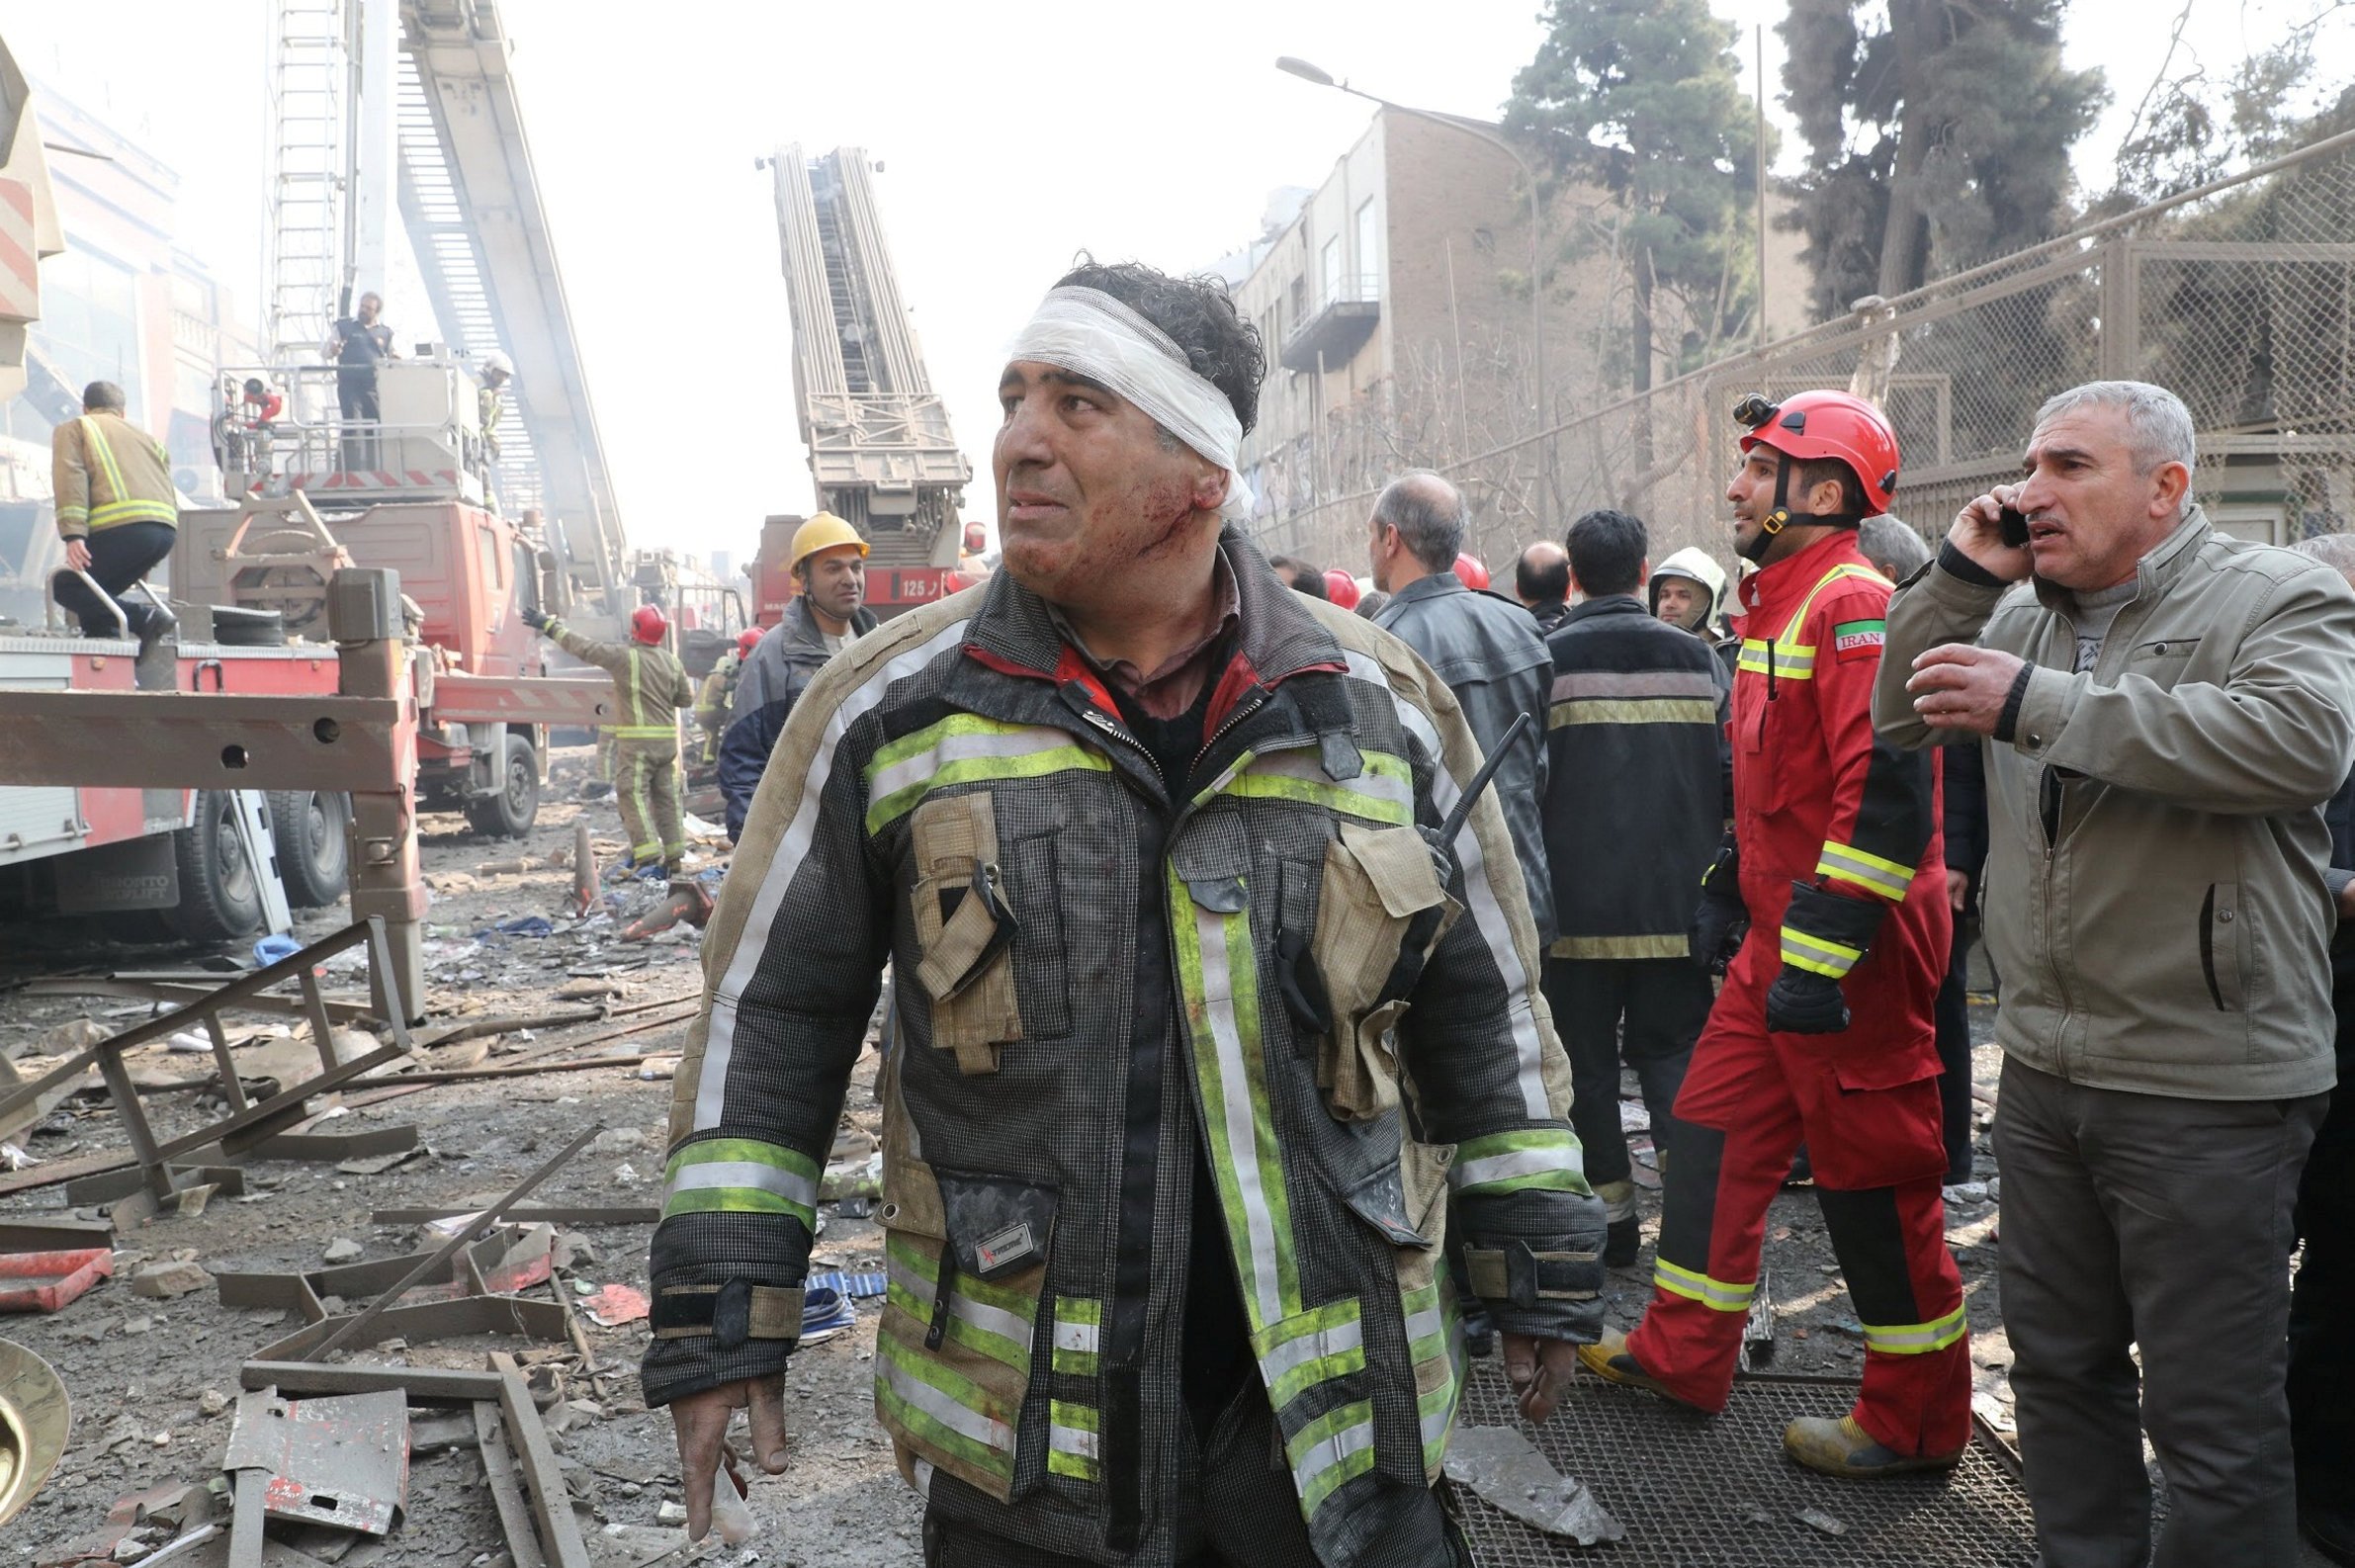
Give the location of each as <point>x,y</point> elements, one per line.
<point>1837,1445</point>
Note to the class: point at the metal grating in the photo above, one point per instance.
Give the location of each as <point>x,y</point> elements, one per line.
<point>1716,1492</point>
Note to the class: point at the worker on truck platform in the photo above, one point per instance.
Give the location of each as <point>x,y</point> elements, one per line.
<point>1824,1030</point>
<point>117,512</point>
<point>1187,883</point>
<point>650,686</point>
<point>827,613</point>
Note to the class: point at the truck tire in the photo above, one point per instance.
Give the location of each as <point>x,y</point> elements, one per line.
<point>220,900</point>
<point>509,811</point>
<point>314,852</point>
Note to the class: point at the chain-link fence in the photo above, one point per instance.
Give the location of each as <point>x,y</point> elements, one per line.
<point>2239,296</point>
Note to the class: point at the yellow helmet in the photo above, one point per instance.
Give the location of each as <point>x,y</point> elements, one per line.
<point>825,531</point>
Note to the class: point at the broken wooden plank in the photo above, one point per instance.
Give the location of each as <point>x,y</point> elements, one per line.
<point>425,1385</point>
<point>543,1478</point>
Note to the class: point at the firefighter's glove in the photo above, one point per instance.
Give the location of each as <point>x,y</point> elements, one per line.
<point>1722,918</point>
<point>1824,937</point>
<point>537,620</point>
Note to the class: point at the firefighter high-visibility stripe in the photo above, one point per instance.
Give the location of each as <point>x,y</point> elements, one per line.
<point>1427,1324</point>
<point>776,879</point>
<point>1383,793</point>
<point>1329,1450</point>
<point>1078,1328</point>
<point>1868,871</point>
<point>965,749</point>
<point>740,1176</point>
<point>102,458</point>
<point>1072,1441</point>
<point>1435,1410</point>
<point>1618,685</point>
<point>641,732</point>
<point>632,691</point>
<point>1790,660</point>
<point>1817,955</point>
<point>1659,710</point>
<point>1432,1337</point>
<point>1917,1338</point>
<point>951,1412</point>
<point>1678,946</point>
<point>1480,896</point>
<point>109,513</point>
<point>1543,1158</point>
<point>1218,970</point>
<point>985,1318</point>
<point>1795,661</point>
<point>1713,1294</point>
<point>1316,1347</point>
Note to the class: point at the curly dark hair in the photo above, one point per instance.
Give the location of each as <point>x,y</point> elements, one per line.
<point>1200,317</point>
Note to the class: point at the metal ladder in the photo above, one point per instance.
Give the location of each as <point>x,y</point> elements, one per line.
<point>311,50</point>
<point>849,327</point>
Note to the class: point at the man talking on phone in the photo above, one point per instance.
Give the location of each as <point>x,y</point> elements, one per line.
<point>2165,710</point>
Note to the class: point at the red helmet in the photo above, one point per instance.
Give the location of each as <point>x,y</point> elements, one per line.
<point>1469,571</point>
<point>1828,424</point>
<point>1341,588</point>
<point>745,641</point>
<point>647,624</point>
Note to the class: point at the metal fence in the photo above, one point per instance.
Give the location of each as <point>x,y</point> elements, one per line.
<point>2239,296</point>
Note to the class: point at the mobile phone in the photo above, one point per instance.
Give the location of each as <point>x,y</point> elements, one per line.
<point>2012,523</point>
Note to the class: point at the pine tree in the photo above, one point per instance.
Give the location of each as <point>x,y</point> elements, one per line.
<point>1937,136</point>
<point>1641,98</point>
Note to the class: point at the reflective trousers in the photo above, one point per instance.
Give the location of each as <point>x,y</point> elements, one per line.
<point>1749,1100</point>
<point>645,787</point>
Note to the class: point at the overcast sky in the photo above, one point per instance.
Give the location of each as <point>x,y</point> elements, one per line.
<point>1012,136</point>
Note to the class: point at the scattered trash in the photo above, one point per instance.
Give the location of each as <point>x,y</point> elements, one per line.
<point>47,1281</point>
<point>619,1140</point>
<point>616,1305</point>
<point>341,1462</point>
<point>825,1314</point>
<point>859,1287</point>
<point>379,1163</point>
<point>659,1070</point>
<point>521,926</point>
<point>1505,1470</point>
<point>730,1518</point>
<point>170,1277</point>
<point>269,949</point>
<point>1816,1518</point>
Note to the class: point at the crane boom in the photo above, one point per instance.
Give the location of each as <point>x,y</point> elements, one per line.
<point>881,451</point>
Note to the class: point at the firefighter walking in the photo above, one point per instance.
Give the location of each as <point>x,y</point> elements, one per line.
<point>650,686</point>
<point>1823,1033</point>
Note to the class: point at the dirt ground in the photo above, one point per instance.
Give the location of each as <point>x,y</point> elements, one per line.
<point>148,1376</point>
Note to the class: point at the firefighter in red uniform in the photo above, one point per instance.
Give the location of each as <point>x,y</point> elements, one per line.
<point>1823,1033</point>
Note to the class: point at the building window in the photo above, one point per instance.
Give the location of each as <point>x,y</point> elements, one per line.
<point>1329,280</point>
<point>1370,252</point>
<point>1300,299</point>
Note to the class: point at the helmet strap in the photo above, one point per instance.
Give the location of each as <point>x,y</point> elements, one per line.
<point>1783,517</point>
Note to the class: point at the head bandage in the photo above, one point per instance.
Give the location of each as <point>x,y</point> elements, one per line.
<point>1089,333</point>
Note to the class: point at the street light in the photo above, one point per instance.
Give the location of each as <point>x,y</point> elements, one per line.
<point>1293,65</point>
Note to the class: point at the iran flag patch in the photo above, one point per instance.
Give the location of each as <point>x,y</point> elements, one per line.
<point>1858,639</point>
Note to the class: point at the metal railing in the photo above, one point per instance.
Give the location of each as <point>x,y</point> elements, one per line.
<point>2238,296</point>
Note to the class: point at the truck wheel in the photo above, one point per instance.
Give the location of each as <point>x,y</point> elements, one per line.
<point>313,854</point>
<point>219,900</point>
<point>511,812</point>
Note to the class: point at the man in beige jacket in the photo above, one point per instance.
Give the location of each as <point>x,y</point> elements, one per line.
<point>2166,711</point>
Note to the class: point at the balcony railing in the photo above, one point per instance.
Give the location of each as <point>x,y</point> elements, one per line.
<point>1337,326</point>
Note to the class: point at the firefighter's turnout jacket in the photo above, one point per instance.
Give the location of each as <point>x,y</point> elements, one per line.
<point>711,703</point>
<point>1819,800</point>
<point>1095,968</point>
<point>650,687</point>
<point>1635,782</point>
<point>107,470</point>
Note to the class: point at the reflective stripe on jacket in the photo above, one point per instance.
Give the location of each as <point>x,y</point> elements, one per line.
<point>107,471</point>
<point>649,682</point>
<point>1088,960</point>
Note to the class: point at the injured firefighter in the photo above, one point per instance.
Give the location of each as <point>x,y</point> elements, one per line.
<point>1213,973</point>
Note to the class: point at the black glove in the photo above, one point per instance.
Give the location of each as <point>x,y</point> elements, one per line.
<point>537,620</point>
<point>1722,918</point>
<point>1802,1001</point>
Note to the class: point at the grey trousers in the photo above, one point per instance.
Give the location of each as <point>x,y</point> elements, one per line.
<point>2144,1220</point>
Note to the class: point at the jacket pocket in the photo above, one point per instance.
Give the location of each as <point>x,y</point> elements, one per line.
<point>1042,978</point>
<point>966,1260</point>
<point>2222,927</point>
<point>965,930</point>
<point>1381,910</point>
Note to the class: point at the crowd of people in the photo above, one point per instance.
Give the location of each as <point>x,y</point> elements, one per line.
<point>1267,942</point>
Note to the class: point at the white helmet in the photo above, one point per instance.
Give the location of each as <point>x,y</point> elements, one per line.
<point>496,361</point>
